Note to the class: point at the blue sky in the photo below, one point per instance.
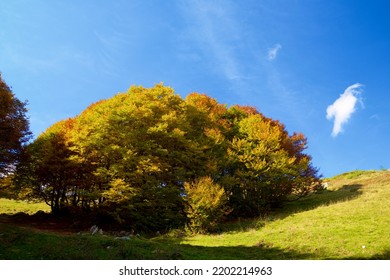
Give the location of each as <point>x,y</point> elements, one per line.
<point>320,67</point>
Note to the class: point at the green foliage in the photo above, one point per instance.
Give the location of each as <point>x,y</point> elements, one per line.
<point>206,205</point>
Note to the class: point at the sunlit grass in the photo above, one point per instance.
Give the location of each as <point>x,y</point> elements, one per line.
<point>342,226</point>
<point>350,220</point>
<point>9,206</point>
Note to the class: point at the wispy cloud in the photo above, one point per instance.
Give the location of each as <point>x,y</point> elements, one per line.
<point>342,109</point>
<point>273,52</point>
<point>215,29</point>
<point>235,50</point>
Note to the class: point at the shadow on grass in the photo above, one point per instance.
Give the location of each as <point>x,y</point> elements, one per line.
<point>191,252</point>
<point>310,202</point>
<point>17,243</point>
<point>380,256</point>
<point>323,198</point>
<point>21,243</point>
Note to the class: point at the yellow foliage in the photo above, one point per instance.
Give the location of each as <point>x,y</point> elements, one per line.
<point>206,204</point>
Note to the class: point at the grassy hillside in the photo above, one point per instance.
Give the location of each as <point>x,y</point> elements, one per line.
<point>349,220</point>
<point>8,206</point>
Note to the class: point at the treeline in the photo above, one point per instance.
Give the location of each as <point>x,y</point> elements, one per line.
<point>151,160</point>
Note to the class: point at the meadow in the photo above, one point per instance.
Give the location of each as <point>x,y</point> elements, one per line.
<point>9,206</point>
<point>348,220</point>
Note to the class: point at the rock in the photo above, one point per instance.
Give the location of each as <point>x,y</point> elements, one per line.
<point>94,229</point>
<point>124,233</point>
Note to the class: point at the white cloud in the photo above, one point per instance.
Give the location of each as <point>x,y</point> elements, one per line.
<point>273,52</point>
<point>342,109</point>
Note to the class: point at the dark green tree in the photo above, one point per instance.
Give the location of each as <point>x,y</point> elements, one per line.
<point>14,129</point>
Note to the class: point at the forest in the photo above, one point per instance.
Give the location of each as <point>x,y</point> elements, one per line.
<point>149,160</point>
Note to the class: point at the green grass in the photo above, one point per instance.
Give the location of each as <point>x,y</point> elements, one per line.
<point>350,220</point>
<point>9,206</point>
<point>20,243</point>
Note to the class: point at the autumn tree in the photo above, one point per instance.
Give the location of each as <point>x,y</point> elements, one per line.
<point>152,160</point>
<point>265,166</point>
<point>206,118</point>
<point>48,171</point>
<point>14,128</point>
<point>141,150</point>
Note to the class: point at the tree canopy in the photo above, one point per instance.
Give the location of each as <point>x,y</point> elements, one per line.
<point>146,157</point>
<point>14,128</point>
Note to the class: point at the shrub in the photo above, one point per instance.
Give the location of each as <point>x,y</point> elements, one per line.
<point>206,205</point>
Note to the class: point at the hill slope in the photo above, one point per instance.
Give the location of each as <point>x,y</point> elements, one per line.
<point>349,220</point>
